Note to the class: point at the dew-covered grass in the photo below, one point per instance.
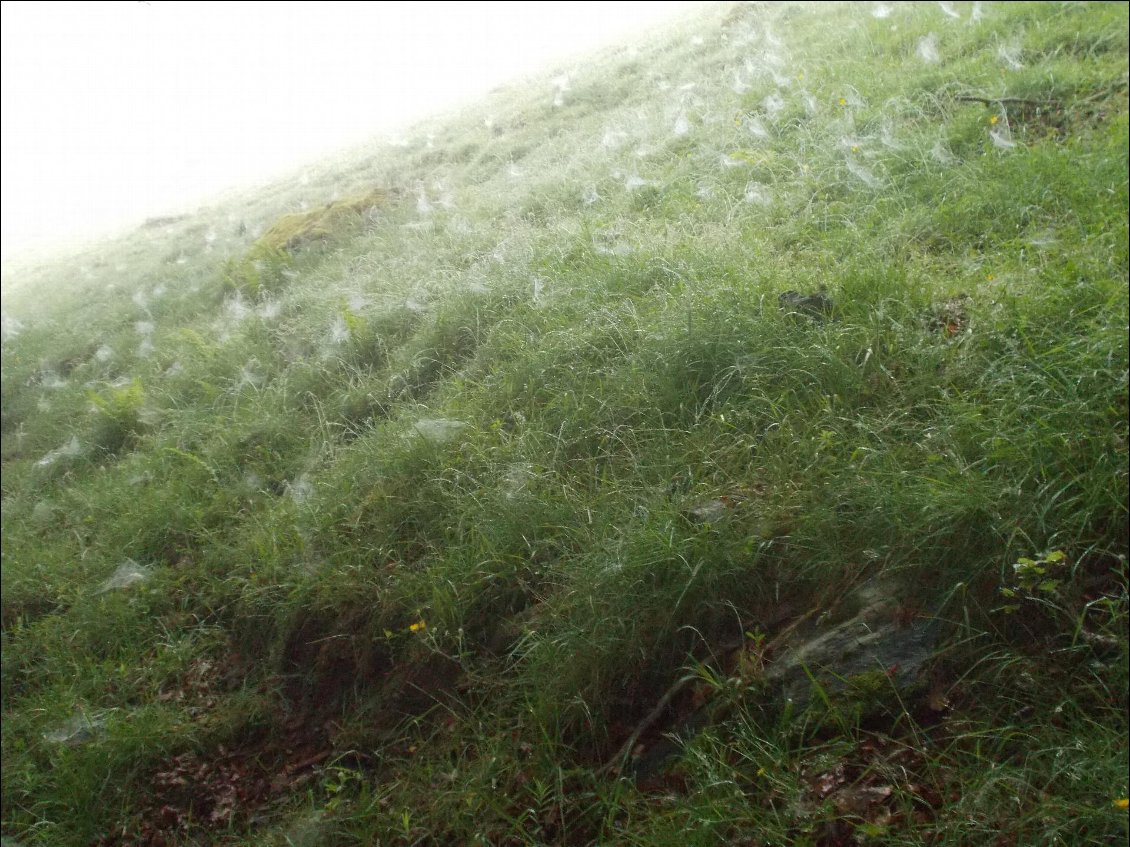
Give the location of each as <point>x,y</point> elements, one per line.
<point>392,534</point>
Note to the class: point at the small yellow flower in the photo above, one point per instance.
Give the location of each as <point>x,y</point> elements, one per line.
<point>1122,803</point>
<point>419,626</point>
<point>843,101</point>
<point>855,148</point>
<point>993,120</point>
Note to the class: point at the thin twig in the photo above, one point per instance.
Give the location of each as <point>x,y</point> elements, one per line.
<point>1103,92</point>
<point>626,748</point>
<point>1005,101</point>
<point>651,717</point>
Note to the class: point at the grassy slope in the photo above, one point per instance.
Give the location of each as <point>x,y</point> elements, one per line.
<point>439,642</point>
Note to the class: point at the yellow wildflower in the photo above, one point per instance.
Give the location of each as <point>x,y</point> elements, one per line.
<point>843,101</point>
<point>993,120</point>
<point>419,626</point>
<point>1122,803</point>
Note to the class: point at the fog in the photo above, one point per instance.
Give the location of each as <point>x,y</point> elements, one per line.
<point>116,111</point>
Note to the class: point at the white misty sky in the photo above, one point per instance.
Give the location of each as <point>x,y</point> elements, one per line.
<point>115,111</point>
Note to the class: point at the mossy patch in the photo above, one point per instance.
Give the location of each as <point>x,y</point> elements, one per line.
<point>265,267</point>
<point>292,232</point>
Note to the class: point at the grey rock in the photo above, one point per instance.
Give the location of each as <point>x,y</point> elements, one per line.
<point>869,638</point>
<point>872,640</point>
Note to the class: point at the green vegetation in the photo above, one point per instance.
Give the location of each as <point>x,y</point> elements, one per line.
<point>495,517</point>
<point>267,265</point>
<point>335,219</point>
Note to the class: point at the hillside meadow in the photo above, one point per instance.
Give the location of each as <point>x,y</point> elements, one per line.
<point>718,441</point>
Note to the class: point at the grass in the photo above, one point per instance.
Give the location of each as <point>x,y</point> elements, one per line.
<point>415,490</point>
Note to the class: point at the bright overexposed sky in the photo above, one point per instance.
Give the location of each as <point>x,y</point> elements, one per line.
<point>118,110</point>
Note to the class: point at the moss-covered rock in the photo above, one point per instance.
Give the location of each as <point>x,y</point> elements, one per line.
<point>341,217</point>
<point>266,265</point>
